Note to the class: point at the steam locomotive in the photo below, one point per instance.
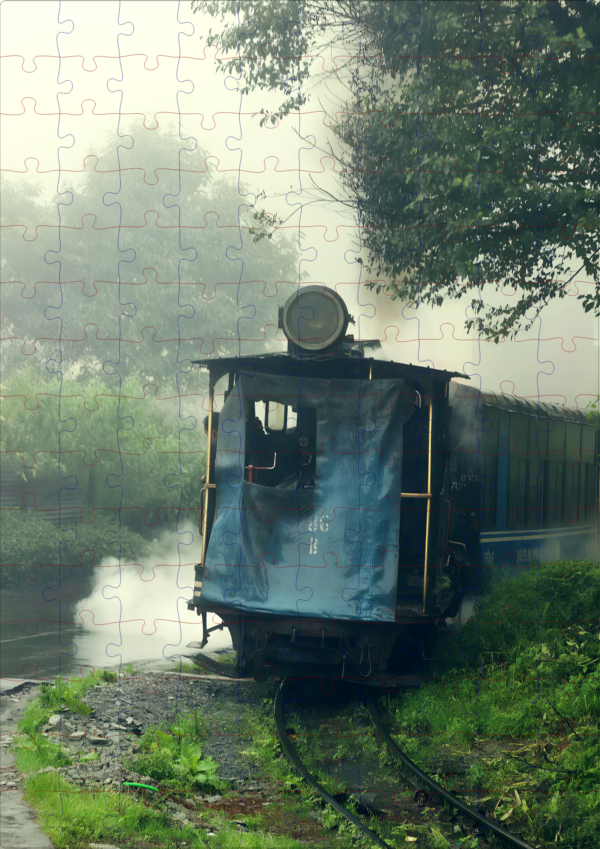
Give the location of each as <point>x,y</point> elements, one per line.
<point>351,502</point>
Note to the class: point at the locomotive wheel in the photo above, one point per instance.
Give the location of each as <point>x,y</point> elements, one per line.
<point>250,657</point>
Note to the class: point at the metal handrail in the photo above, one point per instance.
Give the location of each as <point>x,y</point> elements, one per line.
<point>207,486</point>
<point>255,468</point>
<point>428,519</point>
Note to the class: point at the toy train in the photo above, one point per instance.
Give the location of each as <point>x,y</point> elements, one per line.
<point>350,502</point>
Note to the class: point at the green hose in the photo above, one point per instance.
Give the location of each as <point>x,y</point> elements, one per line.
<point>135,784</point>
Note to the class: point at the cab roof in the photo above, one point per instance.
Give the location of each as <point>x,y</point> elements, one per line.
<point>330,366</point>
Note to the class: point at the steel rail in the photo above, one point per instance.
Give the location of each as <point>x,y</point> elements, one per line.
<point>291,755</point>
<point>450,797</point>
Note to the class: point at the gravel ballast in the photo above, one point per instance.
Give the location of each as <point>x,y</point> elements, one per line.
<point>124,709</point>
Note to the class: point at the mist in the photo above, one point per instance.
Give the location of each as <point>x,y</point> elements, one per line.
<point>137,612</point>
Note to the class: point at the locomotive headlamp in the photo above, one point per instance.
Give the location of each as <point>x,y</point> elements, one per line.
<point>314,318</point>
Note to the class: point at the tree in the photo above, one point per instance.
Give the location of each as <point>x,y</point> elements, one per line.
<point>468,136</point>
<point>155,259</point>
<point>156,269</point>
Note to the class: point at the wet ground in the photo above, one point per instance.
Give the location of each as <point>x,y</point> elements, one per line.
<point>335,739</point>
<point>18,826</point>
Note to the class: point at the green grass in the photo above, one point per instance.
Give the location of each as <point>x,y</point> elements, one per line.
<point>230,838</point>
<point>521,681</point>
<point>32,750</point>
<point>228,659</point>
<point>193,669</point>
<point>174,755</point>
<point>73,817</point>
<point>190,669</point>
<point>51,698</point>
<point>264,747</point>
<point>522,676</point>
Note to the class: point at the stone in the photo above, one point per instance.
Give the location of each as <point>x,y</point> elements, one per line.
<point>103,846</point>
<point>211,799</point>
<point>77,735</point>
<point>99,741</point>
<point>54,720</point>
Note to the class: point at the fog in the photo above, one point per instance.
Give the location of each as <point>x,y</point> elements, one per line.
<point>138,611</point>
<point>556,359</point>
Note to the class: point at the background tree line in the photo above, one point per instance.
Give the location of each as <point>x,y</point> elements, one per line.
<point>101,406</point>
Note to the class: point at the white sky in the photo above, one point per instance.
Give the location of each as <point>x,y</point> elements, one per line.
<point>150,83</point>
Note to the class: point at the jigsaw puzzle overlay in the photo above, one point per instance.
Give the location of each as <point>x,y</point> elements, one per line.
<point>134,178</point>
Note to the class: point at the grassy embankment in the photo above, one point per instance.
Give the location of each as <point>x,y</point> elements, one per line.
<point>73,816</point>
<point>519,685</point>
<point>514,696</point>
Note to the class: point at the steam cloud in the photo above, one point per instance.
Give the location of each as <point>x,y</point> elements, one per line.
<point>138,612</point>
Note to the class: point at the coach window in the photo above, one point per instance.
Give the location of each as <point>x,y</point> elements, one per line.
<point>586,478</point>
<point>572,470</point>
<point>488,462</point>
<point>537,459</point>
<point>556,451</point>
<point>518,468</point>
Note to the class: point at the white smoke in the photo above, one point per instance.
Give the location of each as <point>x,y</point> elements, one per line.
<point>138,612</point>
<point>469,607</point>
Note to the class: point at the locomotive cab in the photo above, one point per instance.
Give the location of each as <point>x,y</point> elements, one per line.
<point>328,545</point>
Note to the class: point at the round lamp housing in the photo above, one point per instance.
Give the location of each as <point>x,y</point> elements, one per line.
<point>314,318</point>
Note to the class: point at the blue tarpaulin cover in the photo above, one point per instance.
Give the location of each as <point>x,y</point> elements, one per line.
<point>330,551</point>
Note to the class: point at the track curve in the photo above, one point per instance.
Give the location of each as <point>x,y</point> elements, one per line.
<point>290,752</point>
<point>497,829</point>
<point>292,756</point>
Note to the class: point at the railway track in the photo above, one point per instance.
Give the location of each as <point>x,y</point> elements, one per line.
<point>292,755</point>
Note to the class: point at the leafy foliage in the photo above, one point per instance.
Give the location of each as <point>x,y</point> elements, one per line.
<point>537,606</point>
<point>113,445</point>
<point>52,698</point>
<point>31,548</point>
<point>153,254</point>
<point>454,186</point>
<point>525,674</point>
<point>594,411</point>
<point>176,755</point>
<point>124,461</point>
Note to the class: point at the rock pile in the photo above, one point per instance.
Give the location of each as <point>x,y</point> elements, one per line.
<point>122,710</point>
